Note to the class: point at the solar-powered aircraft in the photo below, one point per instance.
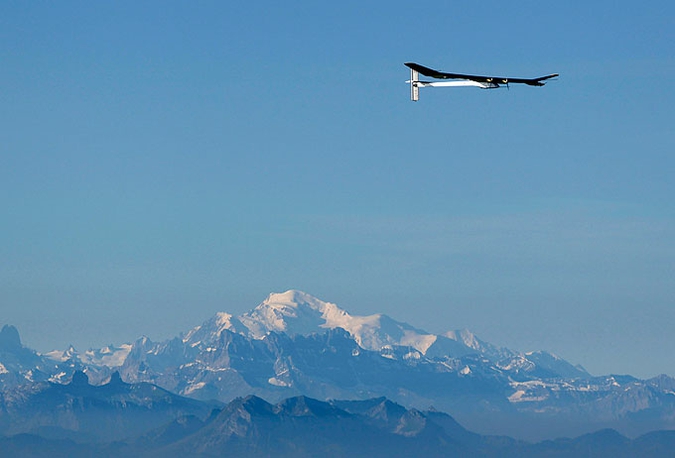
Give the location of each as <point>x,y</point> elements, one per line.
<point>460,79</point>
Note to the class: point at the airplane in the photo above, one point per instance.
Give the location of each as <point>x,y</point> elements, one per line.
<point>483,82</point>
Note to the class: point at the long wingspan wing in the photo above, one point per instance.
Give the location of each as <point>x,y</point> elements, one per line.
<point>531,81</point>
<point>426,71</point>
<point>431,73</point>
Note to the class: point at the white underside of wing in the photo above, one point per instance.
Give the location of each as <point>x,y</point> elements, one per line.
<point>416,84</point>
<point>454,84</point>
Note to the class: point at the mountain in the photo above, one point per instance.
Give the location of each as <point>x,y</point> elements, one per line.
<point>295,344</point>
<point>20,365</point>
<point>296,312</point>
<point>301,426</point>
<point>109,356</point>
<point>107,412</point>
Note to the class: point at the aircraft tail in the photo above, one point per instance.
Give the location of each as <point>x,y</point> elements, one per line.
<point>540,81</point>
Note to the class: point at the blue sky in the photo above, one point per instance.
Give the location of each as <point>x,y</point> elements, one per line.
<point>160,162</point>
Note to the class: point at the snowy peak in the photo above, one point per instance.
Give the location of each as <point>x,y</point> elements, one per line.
<point>375,332</point>
<point>109,356</point>
<point>556,365</point>
<point>292,312</point>
<point>294,299</point>
<point>209,332</point>
<point>466,337</point>
<point>296,312</point>
<point>62,356</point>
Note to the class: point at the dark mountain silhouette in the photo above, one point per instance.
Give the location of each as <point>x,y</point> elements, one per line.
<point>304,427</point>
<point>112,411</point>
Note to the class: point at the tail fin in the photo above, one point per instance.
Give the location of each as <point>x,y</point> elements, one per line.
<point>414,87</point>
<point>540,81</point>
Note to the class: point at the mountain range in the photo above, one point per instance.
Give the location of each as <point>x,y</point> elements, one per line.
<point>77,419</point>
<point>293,344</point>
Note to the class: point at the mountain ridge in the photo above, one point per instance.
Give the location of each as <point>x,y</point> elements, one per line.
<point>489,389</point>
<point>296,312</point>
<point>252,426</point>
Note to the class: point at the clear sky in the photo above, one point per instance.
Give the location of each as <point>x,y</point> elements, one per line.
<point>162,161</point>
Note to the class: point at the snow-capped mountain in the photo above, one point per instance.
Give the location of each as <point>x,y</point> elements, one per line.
<point>298,313</point>
<point>109,356</point>
<point>295,344</point>
<point>295,312</point>
<point>20,365</point>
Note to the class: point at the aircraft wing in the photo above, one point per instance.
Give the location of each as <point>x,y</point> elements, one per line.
<point>492,80</point>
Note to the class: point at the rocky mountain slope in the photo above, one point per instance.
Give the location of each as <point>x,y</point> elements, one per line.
<point>294,344</point>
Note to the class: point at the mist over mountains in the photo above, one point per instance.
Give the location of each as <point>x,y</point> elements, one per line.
<point>114,419</point>
<point>294,345</point>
